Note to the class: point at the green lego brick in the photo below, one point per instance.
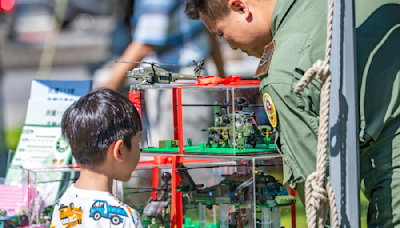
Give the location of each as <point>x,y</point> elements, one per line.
<point>171,146</point>
<point>168,143</point>
<point>213,150</point>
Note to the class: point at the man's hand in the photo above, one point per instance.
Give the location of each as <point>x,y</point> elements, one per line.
<point>216,55</point>
<point>135,52</point>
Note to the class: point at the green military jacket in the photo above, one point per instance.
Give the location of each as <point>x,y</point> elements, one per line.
<point>299,29</point>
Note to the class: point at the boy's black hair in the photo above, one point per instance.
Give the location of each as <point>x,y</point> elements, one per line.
<point>97,120</point>
<point>214,9</point>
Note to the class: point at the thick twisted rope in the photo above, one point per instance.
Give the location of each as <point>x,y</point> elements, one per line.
<point>318,190</point>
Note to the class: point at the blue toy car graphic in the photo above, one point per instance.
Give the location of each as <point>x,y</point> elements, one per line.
<point>100,208</point>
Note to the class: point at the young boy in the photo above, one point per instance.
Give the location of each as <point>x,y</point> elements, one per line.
<point>104,130</point>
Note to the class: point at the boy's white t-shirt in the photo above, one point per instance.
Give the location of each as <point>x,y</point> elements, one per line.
<point>88,208</point>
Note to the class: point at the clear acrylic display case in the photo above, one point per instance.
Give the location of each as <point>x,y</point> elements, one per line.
<point>16,200</point>
<point>47,185</point>
<point>215,120</point>
<point>208,191</point>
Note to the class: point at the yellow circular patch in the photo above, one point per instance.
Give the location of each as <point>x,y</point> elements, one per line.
<point>270,110</point>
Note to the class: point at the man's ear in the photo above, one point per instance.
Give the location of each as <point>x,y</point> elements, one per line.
<point>240,6</point>
<point>116,150</point>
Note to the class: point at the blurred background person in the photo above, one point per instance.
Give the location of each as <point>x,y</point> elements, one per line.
<point>120,36</point>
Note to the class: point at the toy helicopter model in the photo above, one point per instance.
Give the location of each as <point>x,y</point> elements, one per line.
<point>155,74</point>
<point>158,210</point>
<point>235,189</point>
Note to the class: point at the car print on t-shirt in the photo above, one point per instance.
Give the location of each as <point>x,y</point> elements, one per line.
<point>101,209</point>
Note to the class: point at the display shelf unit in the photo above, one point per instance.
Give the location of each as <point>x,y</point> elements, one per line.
<point>226,119</point>
<point>189,190</point>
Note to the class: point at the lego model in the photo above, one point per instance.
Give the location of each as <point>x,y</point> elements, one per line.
<point>231,131</point>
<point>157,211</point>
<point>235,189</point>
<point>70,216</point>
<point>247,133</point>
<point>155,74</point>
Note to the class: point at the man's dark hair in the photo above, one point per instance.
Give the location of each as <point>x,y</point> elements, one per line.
<point>214,9</point>
<point>97,120</point>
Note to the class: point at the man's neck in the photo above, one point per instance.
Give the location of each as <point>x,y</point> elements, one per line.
<point>94,180</point>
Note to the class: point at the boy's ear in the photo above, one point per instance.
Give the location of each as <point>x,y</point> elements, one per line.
<point>116,150</point>
<point>240,6</point>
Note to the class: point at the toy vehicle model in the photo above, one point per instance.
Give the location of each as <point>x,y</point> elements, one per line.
<point>235,189</point>
<point>155,74</point>
<point>157,211</point>
<point>247,133</point>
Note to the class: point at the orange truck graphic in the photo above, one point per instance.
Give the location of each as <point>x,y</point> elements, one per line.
<point>69,215</point>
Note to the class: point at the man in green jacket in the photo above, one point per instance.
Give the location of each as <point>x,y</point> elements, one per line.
<point>295,32</point>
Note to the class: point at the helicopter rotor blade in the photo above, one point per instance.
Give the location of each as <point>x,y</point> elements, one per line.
<point>211,167</point>
<point>224,165</point>
<point>167,64</point>
<point>141,191</point>
<point>144,188</point>
<point>121,61</point>
<point>213,105</point>
<point>153,63</point>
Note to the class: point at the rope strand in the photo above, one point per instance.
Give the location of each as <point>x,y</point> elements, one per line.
<point>318,190</point>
